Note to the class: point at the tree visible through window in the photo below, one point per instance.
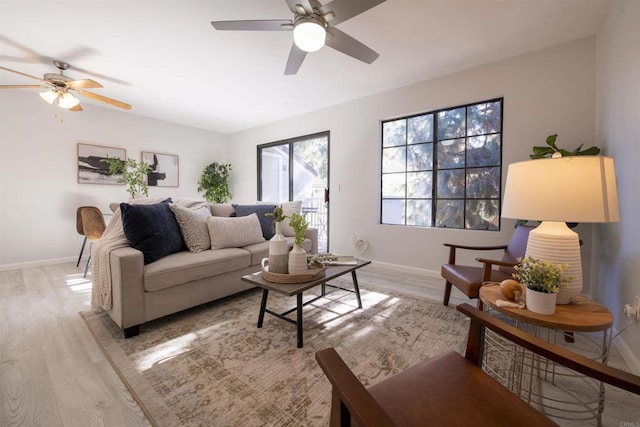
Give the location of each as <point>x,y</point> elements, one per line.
<point>443,168</point>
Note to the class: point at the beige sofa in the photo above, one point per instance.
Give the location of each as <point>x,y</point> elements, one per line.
<point>182,280</point>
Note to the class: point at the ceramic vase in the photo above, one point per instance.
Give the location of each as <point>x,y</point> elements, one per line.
<point>541,302</point>
<point>297,260</point>
<point>278,252</point>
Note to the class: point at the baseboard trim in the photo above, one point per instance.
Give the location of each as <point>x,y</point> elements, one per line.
<point>38,263</point>
<point>627,354</point>
<point>381,267</point>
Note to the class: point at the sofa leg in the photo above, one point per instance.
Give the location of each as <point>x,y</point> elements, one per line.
<point>131,331</point>
<point>447,293</point>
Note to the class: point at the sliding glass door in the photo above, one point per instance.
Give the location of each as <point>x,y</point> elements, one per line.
<point>298,169</point>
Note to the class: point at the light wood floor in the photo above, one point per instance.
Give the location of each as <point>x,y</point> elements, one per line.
<point>52,373</point>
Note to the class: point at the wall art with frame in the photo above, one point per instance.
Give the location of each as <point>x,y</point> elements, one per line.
<point>91,167</point>
<point>164,169</point>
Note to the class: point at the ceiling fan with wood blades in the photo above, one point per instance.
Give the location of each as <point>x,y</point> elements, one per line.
<point>313,26</point>
<point>62,88</point>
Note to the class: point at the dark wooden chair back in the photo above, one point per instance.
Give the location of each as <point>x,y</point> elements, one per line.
<point>450,389</point>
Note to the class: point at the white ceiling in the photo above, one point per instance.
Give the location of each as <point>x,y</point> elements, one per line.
<point>165,58</point>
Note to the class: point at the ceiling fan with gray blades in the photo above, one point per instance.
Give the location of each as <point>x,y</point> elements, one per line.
<point>313,26</point>
<point>62,88</point>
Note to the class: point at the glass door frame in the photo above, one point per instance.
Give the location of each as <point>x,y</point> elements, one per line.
<point>290,143</point>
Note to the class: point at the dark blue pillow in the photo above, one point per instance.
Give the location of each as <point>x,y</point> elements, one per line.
<point>260,210</point>
<point>152,229</point>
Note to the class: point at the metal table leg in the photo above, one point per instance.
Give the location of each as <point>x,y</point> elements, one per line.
<point>263,305</point>
<point>299,319</point>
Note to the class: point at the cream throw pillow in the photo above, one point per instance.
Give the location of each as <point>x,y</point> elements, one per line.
<point>193,225</point>
<point>234,232</point>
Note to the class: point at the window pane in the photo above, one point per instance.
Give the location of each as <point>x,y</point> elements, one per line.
<point>483,183</point>
<point>275,173</point>
<point>482,214</point>
<point>393,212</point>
<point>483,150</point>
<point>451,123</point>
<point>419,185</point>
<point>449,213</point>
<point>393,185</point>
<point>420,157</point>
<point>451,154</point>
<point>450,184</point>
<point>394,159</point>
<point>419,213</point>
<point>484,118</point>
<point>420,129</point>
<point>394,133</point>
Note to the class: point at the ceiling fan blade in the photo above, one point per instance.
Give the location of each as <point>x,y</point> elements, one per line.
<point>293,6</point>
<point>348,45</point>
<point>346,9</point>
<point>296,56</point>
<point>22,86</point>
<point>83,84</point>
<point>254,25</point>
<point>104,99</point>
<point>23,74</point>
<point>76,108</point>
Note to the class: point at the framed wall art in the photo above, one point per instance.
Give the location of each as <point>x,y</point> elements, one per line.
<point>164,169</point>
<point>91,167</point>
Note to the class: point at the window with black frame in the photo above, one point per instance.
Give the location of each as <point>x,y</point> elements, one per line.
<point>443,168</point>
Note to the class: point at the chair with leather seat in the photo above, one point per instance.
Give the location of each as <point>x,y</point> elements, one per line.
<point>452,390</point>
<point>93,227</point>
<point>80,232</point>
<point>469,279</point>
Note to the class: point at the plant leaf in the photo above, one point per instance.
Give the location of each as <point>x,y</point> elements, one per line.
<point>551,141</point>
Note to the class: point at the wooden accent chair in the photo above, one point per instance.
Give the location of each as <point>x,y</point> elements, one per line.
<point>469,278</point>
<point>80,232</point>
<point>93,227</point>
<point>450,389</point>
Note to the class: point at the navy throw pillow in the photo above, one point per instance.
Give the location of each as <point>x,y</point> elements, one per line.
<point>152,229</point>
<point>260,210</point>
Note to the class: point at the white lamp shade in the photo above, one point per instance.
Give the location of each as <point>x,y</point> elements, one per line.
<point>68,101</point>
<point>309,35</point>
<point>567,189</point>
<point>49,96</point>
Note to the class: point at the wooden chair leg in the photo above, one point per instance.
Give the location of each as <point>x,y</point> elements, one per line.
<point>447,293</point>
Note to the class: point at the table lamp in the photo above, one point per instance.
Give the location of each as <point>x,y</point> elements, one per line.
<point>559,190</point>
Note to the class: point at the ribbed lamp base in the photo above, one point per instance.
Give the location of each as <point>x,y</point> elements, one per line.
<point>555,242</point>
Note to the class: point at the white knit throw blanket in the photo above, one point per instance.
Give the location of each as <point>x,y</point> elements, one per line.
<point>113,238</point>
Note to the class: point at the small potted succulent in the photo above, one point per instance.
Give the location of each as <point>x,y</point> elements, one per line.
<point>543,280</point>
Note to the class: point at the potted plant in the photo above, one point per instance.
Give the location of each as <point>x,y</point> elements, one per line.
<point>298,256</point>
<point>133,173</point>
<point>543,280</point>
<point>214,182</point>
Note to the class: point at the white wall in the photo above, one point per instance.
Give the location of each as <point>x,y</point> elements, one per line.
<point>617,261</point>
<point>545,92</point>
<point>39,192</point>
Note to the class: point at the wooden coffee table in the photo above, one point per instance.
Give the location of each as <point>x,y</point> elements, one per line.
<point>297,289</point>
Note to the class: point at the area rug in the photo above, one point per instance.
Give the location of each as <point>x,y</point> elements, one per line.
<point>212,366</point>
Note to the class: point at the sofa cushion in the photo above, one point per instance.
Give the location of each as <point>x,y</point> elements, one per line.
<point>234,232</point>
<point>193,225</point>
<point>221,209</point>
<point>151,229</point>
<point>266,223</point>
<point>183,267</point>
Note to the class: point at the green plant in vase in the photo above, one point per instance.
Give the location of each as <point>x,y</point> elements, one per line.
<point>297,256</point>
<point>543,280</point>
<point>133,173</point>
<point>214,182</point>
<point>299,224</point>
<point>278,216</point>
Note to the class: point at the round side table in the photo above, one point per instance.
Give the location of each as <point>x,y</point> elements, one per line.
<point>582,326</point>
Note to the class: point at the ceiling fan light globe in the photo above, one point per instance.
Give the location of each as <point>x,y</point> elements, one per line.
<point>49,96</point>
<point>68,101</point>
<point>309,35</point>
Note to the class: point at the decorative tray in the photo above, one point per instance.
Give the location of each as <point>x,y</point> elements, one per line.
<point>311,274</point>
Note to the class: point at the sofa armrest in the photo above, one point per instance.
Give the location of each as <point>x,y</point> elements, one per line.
<point>312,234</point>
<point>127,287</point>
